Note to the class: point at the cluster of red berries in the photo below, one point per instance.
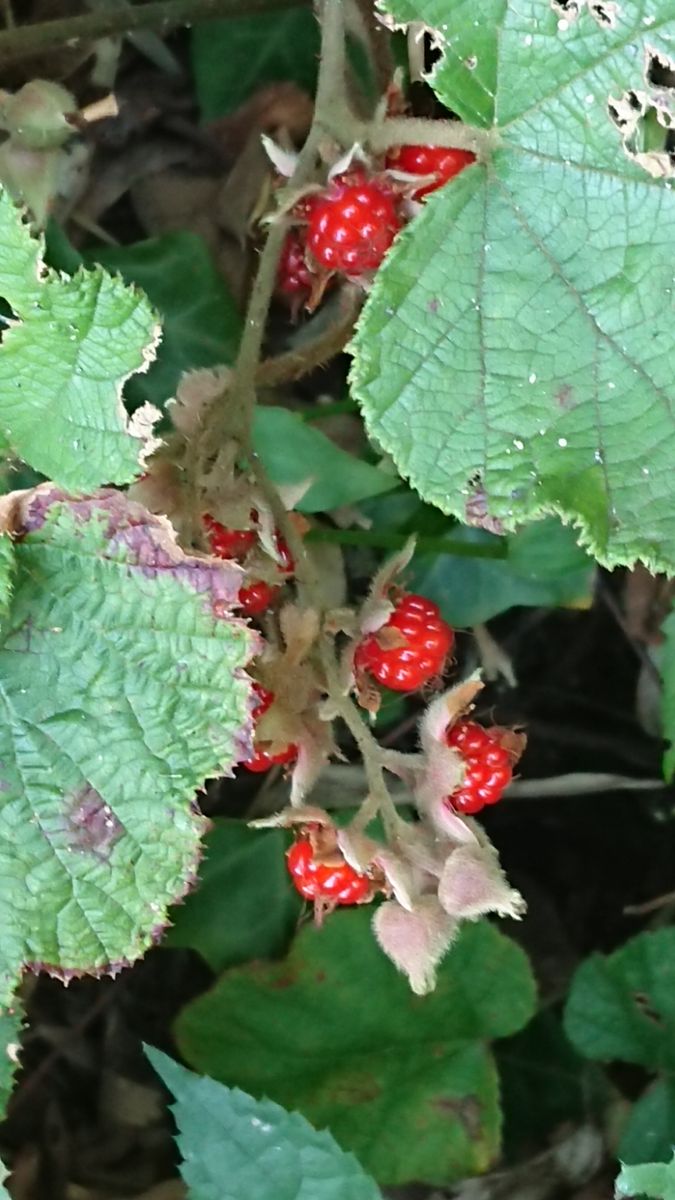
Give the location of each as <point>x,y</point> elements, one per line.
<point>487,770</point>
<point>237,544</point>
<point>349,226</point>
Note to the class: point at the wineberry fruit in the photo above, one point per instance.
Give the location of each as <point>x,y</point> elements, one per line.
<point>487,767</point>
<point>425,642</point>
<point>262,759</point>
<point>339,884</point>
<point>294,278</point>
<point>352,225</point>
<point>228,543</point>
<point>444,163</point>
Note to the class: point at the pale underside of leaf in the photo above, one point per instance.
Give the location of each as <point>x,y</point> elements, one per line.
<point>514,355</point>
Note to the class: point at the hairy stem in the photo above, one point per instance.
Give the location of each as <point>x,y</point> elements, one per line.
<point>407,131</point>
<point>294,364</point>
<point>380,539</point>
<point>23,41</point>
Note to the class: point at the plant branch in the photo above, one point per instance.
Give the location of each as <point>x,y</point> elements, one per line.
<point>382,540</point>
<point>406,131</point>
<point>295,364</point>
<point>23,41</point>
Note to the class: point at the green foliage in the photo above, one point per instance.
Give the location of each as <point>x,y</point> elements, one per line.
<point>230,917</point>
<point>513,353</point>
<point>10,1032</point>
<point>200,322</point>
<point>409,1085</point>
<point>654,1179</point>
<point>253,1147</point>
<point>543,566</point>
<point>64,361</point>
<point>122,690</point>
<point>294,452</point>
<point>622,1007</point>
<point>544,1083</point>
<point>7,569</point>
<point>231,58</point>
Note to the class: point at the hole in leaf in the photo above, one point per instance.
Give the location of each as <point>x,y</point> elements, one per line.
<point>647,131</point>
<point>660,70</point>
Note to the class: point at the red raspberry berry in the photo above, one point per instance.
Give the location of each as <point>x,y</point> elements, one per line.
<point>429,160</point>
<point>257,597</point>
<point>428,640</point>
<point>228,543</point>
<point>352,225</point>
<point>265,700</point>
<point>314,880</point>
<point>262,760</point>
<point>487,771</point>
<point>294,278</point>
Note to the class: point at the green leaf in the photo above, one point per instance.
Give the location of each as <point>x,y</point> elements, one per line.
<point>231,59</point>
<point>64,361</point>
<point>538,379</point>
<point>10,1034</point>
<point>121,690</point>
<point>7,569</point>
<point>4,1175</point>
<point>293,452</point>
<point>622,1005</point>
<point>543,1084</point>
<point>653,1179</point>
<point>408,1084</point>
<point>253,1148</point>
<point>544,566</point>
<point>229,918</point>
<point>668,696</point>
<point>650,1130</point>
<point>201,325</point>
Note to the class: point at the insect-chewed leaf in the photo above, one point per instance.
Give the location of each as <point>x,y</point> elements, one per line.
<point>63,362</point>
<point>122,689</point>
<point>515,352</point>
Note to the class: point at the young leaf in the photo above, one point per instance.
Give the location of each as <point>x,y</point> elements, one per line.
<point>122,689</point>
<point>349,1037</point>
<point>654,1179</point>
<point>283,46</point>
<point>200,322</point>
<point>63,362</point>
<point>514,353</point>
<point>622,1005</point>
<point>294,452</point>
<point>229,918</point>
<point>235,1146</point>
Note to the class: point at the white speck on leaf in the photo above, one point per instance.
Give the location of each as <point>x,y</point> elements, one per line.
<point>533,378</point>
<point>562,442</point>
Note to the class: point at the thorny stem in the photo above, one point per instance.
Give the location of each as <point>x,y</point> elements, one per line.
<point>331,77</point>
<point>23,41</point>
<point>406,131</point>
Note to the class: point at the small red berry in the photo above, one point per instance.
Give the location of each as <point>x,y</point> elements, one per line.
<point>427,640</point>
<point>265,700</point>
<point>314,880</point>
<point>228,543</point>
<point>352,225</point>
<point>257,597</point>
<point>430,160</point>
<point>487,767</point>
<point>294,278</point>
<point>263,760</point>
